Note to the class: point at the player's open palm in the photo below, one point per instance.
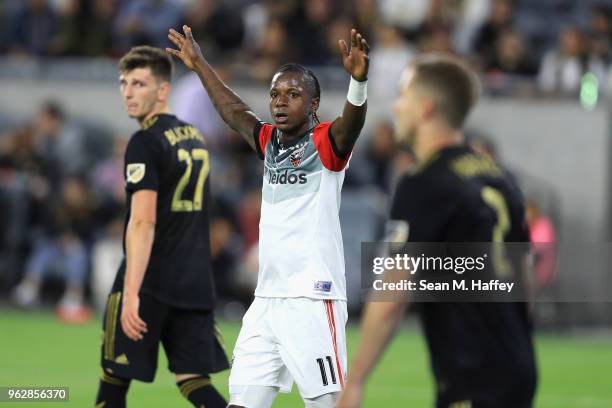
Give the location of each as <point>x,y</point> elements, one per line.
<point>188,49</point>
<point>355,59</point>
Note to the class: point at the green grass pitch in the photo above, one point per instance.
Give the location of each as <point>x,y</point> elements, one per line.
<point>36,350</point>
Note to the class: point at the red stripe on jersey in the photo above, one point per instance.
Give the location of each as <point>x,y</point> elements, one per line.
<point>265,134</point>
<point>323,144</point>
<point>329,308</point>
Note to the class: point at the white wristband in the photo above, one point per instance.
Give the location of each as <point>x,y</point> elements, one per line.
<point>357,92</point>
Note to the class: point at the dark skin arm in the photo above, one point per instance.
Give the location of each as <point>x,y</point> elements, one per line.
<point>346,128</point>
<point>237,114</point>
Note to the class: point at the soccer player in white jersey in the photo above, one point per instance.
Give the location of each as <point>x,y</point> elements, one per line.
<point>295,329</point>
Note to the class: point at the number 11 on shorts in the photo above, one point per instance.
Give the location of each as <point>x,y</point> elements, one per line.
<point>323,371</point>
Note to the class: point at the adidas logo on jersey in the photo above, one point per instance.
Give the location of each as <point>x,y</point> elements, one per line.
<point>286,178</point>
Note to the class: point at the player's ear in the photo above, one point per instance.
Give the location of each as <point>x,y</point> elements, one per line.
<point>314,105</point>
<point>428,108</point>
<point>164,91</point>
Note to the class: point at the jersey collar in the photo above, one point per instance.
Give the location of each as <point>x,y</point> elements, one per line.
<point>152,120</point>
<point>293,142</point>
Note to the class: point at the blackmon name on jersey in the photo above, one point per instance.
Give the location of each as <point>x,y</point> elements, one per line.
<point>300,243</point>
<point>170,157</point>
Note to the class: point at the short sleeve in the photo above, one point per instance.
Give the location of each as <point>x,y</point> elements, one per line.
<point>412,204</point>
<point>262,134</point>
<point>331,158</point>
<point>399,196</point>
<point>142,162</point>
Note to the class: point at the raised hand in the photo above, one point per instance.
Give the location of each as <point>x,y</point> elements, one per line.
<point>355,59</point>
<point>188,49</point>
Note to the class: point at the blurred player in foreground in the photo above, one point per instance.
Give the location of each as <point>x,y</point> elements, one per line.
<point>163,291</point>
<point>295,328</point>
<point>481,353</point>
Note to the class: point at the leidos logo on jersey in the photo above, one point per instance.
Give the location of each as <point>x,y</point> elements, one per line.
<point>286,178</point>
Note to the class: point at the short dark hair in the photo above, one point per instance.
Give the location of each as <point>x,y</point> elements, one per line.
<point>453,83</point>
<point>311,81</point>
<point>145,56</point>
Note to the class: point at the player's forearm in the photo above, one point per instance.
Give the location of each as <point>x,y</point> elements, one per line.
<point>232,109</point>
<point>353,120</point>
<point>138,243</point>
<point>346,129</point>
<point>380,321</point>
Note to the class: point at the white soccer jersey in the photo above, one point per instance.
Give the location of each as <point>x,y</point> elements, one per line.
<point>300,242</point>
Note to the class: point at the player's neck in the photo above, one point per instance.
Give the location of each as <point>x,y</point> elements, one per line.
<point>156,111</point>
<point>289,136</point>
<point>435,138</point>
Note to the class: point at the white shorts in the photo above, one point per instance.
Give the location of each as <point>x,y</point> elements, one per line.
<point>283,340</point>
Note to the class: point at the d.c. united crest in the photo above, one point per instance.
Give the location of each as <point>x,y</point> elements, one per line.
<point>296,156</point>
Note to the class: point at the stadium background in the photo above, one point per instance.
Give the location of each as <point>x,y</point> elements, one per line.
<point>546,72</point>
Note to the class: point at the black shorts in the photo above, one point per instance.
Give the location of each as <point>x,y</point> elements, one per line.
<point>190,339</point>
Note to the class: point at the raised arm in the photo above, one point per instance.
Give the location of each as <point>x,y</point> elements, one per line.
<point>231,108</point>
<point>346,128</point>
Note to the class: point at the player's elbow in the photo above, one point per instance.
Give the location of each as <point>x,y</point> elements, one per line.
<point>231,112</point>
<point>393,310</point>
<point>140,230</point>
<point>142,223</point>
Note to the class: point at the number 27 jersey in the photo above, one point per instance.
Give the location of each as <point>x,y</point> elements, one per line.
<point>169,156</point>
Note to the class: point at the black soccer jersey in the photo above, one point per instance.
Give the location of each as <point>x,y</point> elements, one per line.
<point>476,349</point>
<point>169,156</point>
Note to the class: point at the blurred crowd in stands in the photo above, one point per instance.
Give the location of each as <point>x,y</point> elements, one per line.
<point>61,178</point>
<point>551,43</point>
<point>62,207</point>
